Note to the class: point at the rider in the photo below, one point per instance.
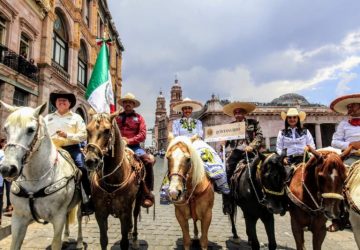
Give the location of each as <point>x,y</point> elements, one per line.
<point>294,138</point>
<point>133,130</point>
<point>188,126</point>
<point>237,148</point>
<point>348,131</point>
<point>67,130</point>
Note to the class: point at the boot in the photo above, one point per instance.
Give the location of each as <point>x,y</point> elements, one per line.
<point>148,186</point>
<point>87,206</point>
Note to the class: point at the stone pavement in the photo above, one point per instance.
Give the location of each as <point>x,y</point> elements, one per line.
<point>164,232</point>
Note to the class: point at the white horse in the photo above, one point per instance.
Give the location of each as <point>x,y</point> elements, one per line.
<point>352,194</point>
<point>44,187</point>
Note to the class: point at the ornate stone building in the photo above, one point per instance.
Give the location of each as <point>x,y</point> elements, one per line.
<point>48,45</point>
<point>321,120</point>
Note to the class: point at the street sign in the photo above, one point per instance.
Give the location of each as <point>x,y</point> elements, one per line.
<point>232,131</point>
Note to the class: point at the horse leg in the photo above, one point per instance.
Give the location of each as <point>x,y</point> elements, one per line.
<point>19,226</point>
<point>136,213</point>
<point>66,230</point>
<point>355,225</point>
<point>79,241</point>
<point>250,223</point>
<point>102,220</point>
<point>196,231</point>
<point>268,220</point>
<point>183,222</point>
<point>318,229</point>
<point>298,232</point>
<point>235,238</point>
<point>205,224</point>
<point>126,222</point>
<point>58,226</point>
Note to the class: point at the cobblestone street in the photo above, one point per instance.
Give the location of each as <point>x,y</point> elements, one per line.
<point>164,232</point>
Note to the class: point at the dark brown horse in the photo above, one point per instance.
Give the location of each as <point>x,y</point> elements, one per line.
<point>315,192</point>
<point>115,177</point>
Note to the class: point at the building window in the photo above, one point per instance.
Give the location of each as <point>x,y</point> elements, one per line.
<point>2,30</point>
<point>24,50</point>
<point>86,12</point>
<point>82,65</point>
<point>100,27</point>
<point>60,46</point>
<point>20,97</point>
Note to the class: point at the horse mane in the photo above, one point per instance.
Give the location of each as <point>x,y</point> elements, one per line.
<point>198,170</point>
<point>21,117</point>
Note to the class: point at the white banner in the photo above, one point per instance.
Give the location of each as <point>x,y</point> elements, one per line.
<point>232,131</point>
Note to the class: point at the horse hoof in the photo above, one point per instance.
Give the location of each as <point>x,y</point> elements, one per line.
<point>135,245</point>
<point>79,246</point>
<point>235,240</point>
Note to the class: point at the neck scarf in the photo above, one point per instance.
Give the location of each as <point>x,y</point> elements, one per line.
<point>355,121</point>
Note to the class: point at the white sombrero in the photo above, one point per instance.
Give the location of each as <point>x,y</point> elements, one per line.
<point>293,112</point>
<point>340,104</point>
<point>129,97</point>
<point>187,102</point>
<point>247,106</point>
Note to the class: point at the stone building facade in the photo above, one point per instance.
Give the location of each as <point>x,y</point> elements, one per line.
<point>48,45</point>
<point>321,120</point>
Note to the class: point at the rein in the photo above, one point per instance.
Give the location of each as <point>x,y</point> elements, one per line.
<point>251,181</point>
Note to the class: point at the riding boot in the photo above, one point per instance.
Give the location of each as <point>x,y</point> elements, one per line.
<point>87,206</point>
<point>148,184</point>
<point>289,171</point>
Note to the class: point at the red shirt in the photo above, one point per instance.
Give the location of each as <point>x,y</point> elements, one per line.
<point>132,126</point>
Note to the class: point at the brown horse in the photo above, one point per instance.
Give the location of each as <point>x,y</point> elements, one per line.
<point>190,189</point>
<point>315,192</point>
<point>115,177</point>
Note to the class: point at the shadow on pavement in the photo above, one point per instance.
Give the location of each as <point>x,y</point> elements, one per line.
<point>143,245</point>
<point>195,245</point>
<point>231,245</point>
<point>71,245</point>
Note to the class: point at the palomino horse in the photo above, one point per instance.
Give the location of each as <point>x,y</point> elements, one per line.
<point>352,194</point>
<point>258,188</point>
<point>44,182</point>
<point>190,189</point>
<point>315,191</point>
<point>115,178</point>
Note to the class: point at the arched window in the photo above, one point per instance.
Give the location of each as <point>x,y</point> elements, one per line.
<point>82,65</point>
<point>60,42</point>
<point>80,112</point>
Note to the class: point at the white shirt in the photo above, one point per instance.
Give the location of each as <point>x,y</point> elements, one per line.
<point>71,123</point>
<point>293,141</point>
<point>1,159</point>
<point>187,127</point>
<point>344,134</point>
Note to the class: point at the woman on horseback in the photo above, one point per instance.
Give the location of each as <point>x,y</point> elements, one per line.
<point>293,137</point>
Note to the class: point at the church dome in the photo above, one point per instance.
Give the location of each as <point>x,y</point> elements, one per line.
<point>290,99</point>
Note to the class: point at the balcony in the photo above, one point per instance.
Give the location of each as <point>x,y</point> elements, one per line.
<point>18,63</point>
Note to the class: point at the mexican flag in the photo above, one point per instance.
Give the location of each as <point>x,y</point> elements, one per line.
<point>99,92</point>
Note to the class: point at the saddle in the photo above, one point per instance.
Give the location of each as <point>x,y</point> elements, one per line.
<point>136,164</point>
<point>67,157</point>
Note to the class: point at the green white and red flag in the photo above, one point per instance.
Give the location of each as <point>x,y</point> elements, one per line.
<point>99,92</point>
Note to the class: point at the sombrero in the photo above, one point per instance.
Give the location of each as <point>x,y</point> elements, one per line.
<point>62,94</point>
<point>129,97</point>
<point>293,112</point>
<point>247,106</point>
<point>340,104</point>
<point>187,102</point>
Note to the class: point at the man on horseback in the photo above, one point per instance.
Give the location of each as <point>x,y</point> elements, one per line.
<point>348,131</point>
<point>239,149</point>
<point>133,129</point>
<point>67,130</point>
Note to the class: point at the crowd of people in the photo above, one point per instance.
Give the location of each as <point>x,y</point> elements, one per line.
<point>68,131</point>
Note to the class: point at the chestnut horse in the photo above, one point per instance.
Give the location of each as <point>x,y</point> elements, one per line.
<point>315,191</point>
<point>190,189</point>
<point>352,194</point>
<point>115,178</point>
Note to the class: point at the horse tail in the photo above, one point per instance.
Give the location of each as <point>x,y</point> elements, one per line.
<point>70,219</point>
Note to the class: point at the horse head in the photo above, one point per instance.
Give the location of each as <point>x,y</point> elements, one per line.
<point>22,129</point>
<point>185,167</point>
<point>100,138</point>
<point>272,176</point>
<point>330,174</point>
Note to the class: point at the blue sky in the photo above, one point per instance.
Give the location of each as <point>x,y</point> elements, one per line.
<point>249,50</point>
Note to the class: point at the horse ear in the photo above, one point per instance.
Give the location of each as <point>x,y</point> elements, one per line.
<point>170,137</point>
<point>91,112</point>
<point>39,110</point>
<point>8,107</point>
<point>115,114</point>
<point>346,153</point>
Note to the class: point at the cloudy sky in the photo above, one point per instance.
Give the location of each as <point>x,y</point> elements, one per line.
<point>239,49</point>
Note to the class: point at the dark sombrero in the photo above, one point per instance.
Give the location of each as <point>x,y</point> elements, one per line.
<point>62,94</point>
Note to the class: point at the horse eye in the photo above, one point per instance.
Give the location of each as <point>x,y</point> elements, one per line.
<point>30,130</point>
<point>107,131</point>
